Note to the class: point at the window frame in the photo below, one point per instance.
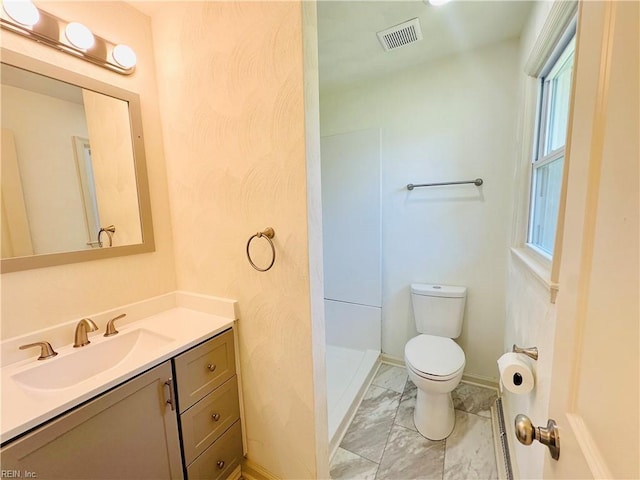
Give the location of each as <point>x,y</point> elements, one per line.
<point>565,47</point>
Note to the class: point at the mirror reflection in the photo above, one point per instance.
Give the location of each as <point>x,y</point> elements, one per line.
<point>68,168</point>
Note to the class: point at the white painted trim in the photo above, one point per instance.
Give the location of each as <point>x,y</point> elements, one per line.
<point>588,446</point>
<point>395,361</point>
<point>539,271</point>
<point>480,381</point>
<point>311,91</point>
<point>560,15</point>
<point>558,19</point>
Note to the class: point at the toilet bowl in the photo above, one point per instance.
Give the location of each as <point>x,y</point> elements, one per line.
<point>435,365</point>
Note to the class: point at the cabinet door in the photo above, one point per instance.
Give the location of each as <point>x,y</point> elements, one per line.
<point>127,433</point>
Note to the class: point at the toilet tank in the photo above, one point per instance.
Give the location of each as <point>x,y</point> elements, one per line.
<point>438,309</point>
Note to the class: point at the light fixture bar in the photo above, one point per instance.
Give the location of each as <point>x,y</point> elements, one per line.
<point>50,30</point>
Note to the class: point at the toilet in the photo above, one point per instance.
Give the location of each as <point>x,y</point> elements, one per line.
<point>434,361</point>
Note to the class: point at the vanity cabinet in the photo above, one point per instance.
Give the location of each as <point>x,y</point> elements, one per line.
<point>129,432</point>
<point>209,409</point>
<point>180,418</point>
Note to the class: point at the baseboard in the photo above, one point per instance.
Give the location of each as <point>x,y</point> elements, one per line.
<point>466,378</point>
<point>398,362</point>
<point>253,471</point>
<point>236,474</point>
<point>480,381</point>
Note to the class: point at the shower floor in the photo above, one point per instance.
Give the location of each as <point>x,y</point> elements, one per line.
<point>347,373</point>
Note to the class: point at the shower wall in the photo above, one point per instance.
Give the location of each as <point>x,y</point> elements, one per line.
<point>351,239</point>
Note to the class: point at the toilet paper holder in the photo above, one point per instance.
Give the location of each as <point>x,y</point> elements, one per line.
<point>531,352</point>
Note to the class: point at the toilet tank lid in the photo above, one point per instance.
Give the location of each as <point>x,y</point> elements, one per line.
<point>438,290</point>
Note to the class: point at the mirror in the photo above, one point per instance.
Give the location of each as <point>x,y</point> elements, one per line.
<point>74,183</point>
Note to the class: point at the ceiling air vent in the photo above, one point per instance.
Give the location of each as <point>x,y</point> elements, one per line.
<point>400,35</point>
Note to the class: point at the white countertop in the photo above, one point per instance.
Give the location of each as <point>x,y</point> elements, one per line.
<point>24,407</point>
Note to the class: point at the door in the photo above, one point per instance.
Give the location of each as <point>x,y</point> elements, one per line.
<point>594,391</point>
<point>16,234</point>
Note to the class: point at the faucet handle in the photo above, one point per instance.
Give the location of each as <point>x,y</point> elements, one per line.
<point>111,326</point>
<point>45,349</point>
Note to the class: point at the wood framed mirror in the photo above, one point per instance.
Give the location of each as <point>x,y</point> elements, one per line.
<point>74,178</point>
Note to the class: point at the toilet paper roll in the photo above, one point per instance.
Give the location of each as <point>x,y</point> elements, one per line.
<point>515,374</point>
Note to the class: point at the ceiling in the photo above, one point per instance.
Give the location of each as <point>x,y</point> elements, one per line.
<point>349,50</point>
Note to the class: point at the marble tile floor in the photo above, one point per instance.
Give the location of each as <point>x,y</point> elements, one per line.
<point>382,442</point>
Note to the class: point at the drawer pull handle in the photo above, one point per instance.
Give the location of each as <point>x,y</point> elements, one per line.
<point>211,367</point>
<point>220,464</point>
<point>215,417</point>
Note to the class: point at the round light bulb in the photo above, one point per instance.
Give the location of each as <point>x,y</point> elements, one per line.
<point>124,56</point>
<point>437,3</point>
<point>79,35</point>
<point>22,11</point>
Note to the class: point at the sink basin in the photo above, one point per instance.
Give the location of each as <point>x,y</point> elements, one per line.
<point>85,362</point>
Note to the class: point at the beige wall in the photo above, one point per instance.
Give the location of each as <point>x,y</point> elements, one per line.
<point>35,299</point>
<point>230,78</point>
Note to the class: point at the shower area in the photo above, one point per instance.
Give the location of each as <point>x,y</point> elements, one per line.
<point>351,218</point>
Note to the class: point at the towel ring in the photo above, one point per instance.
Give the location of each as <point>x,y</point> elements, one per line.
<point>267,233</point>
<point>110,230</point>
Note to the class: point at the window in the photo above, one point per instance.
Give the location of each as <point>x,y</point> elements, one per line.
<point>548,158</point>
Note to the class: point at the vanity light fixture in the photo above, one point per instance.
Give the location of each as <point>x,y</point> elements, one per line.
<point>24,18</point>
<point>79,35</point>
<point>125,56</point>
<point>22,11</point>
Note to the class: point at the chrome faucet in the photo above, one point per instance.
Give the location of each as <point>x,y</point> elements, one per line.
<point>85,325</point>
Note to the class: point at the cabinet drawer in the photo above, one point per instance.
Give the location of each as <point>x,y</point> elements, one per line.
<point>203,423</point>
<point>201,369</point>
<point>220,459</point>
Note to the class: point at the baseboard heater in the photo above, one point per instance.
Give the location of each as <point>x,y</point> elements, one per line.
<point>504,464</point>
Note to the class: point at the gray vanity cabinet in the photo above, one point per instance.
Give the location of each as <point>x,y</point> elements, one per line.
<point>129,432</point>
<point>209,408</point>
<point>132,431</point>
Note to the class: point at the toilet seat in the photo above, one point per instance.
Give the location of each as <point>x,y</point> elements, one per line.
<point>434,358</point>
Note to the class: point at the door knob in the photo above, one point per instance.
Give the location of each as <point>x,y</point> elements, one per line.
<point>527,433</point>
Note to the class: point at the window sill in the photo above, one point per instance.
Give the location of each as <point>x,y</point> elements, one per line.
<point>540,270</point>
